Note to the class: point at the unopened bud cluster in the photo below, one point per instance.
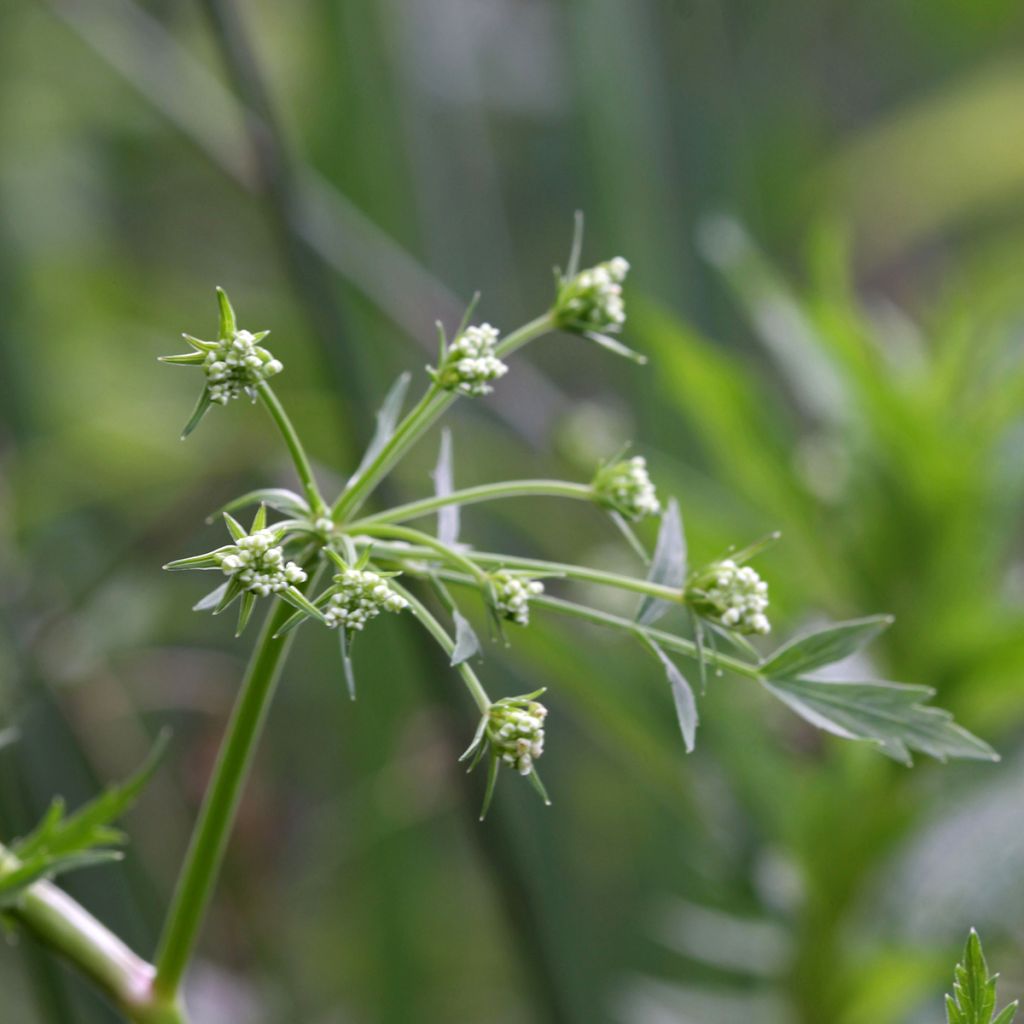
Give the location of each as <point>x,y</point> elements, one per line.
<point>257,563</point>
<point>516,732</point>
<point>734,596</point>
<point>626,487</point>
<point>592,300</point>
<point>470,364</point>
<point>237,364</point>
<point>512,596</point>
<point>359,596</point>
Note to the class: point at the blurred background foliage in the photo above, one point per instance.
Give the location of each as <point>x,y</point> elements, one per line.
<point>823,204</point>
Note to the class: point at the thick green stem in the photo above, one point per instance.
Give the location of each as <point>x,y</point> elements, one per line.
<point>70,930</point>
<point>209,840</point>
<point>473,495</point>
<point>295,449</point>
<point>419,421</point>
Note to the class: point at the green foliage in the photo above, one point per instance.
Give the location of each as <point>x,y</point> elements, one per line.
<point>61,843</point>
<point>974,991</point>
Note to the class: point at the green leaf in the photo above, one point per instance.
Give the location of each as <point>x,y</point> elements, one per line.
<point>829,645</point>
<point>245,611</point>
<point>198,413</point>
<point>61,843</point>
<point>8,736</point>
<point>889,714</point>
<point>228,321</point>
<point>444,484</point>
<point>467,643</point>
<point>974,991</point>
<point>682,695</point>
<point>278,498</point>
<point>299,600</point>
<point>387,420</point>
<point>212,599</point>
<point>615,346</point>
<point>346,662</point>
<point>668,567</point>
<point>235,528</point>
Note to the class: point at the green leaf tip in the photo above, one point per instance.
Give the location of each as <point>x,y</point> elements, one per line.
<point>228,322</point>
<point>973,1000</point>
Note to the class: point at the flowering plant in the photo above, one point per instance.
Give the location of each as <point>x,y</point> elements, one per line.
<point>379,563</point>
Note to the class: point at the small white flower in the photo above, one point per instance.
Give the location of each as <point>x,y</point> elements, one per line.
<point>512,596</point>
<point>592,300</point>
<point>734,596</point>
<point>516,732</point>
<point>257,563</point>
<point>626,488</point>
<point>469,364</point>
<point>358,596</point>
<point>237,365</point>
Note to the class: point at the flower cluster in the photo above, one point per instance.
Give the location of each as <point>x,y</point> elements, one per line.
<point>516,731</point>
<point>469,364</point>
<point>512,595</point>
<point>359,595</point>
<point>592,300</point>
<point>734,596</point>
<point>256,561</point>
<point>237,364</point>
<point>626,488</point>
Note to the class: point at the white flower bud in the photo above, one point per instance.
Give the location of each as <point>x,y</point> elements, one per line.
<point>734,596</point>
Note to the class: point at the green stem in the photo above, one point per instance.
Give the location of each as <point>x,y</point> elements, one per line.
<point>678,644</point>
<point>438,632</point>
<point>295,449</point>
<point>420,549</point>
<point>473,495</point>
<point>216,818</point>
<point>434,402</point>
<point>433,546</point>
<point>68,929</point>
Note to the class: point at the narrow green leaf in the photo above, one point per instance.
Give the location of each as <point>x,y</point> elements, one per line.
<point>185,359</point>
<point>682,696</point>
<point>245,608</point>
<point>889,714</point>
<point>198,413</point>
<point>206,561</point>
<point>299,600</point>
<point>212,599</point>
<point>616,346</point>
<point>824,647</point>
<point>259,521</point>
<point>492,779</point>
<point>467,643</point>
<point>278,498</point>
<point>576,249</point>
<point>631,538</point>
<point>228,322</point>
<point>668,567</point>
<point>387,420</point>
<point>346,662</point>
<point>535,781</point>
<point>444,484</point>
<point>231,593</point>
<point>235,528</point>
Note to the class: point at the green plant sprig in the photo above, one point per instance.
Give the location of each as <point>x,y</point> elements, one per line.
<point>727,597</point>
